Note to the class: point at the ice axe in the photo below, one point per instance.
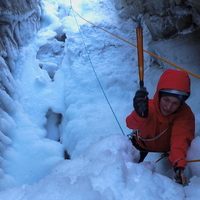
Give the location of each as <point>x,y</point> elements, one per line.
<point>139,34</point>
<point>140,101</point>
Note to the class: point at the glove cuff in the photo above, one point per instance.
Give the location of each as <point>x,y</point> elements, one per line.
<point>179,168</point>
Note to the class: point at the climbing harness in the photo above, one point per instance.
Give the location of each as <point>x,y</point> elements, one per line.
<point>136,133</point>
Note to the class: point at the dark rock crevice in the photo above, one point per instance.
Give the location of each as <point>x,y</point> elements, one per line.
<point>164,19</point>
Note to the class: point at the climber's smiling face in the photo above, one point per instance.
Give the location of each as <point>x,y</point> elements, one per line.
<point>169,105</point>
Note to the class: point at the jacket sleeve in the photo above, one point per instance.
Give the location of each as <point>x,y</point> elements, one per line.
<point>182,134</point>
<point>133,121</point>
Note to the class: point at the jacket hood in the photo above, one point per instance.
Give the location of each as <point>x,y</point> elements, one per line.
<point>173,80</point>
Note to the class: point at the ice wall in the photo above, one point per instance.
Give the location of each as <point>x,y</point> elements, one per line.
<point>19,21</point>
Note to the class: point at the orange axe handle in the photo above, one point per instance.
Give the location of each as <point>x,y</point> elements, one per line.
<point>139,33</point>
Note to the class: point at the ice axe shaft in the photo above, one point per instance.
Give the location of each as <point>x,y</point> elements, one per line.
<point>139,34</point>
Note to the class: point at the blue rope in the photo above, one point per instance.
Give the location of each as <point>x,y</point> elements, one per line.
<point>95,71</point>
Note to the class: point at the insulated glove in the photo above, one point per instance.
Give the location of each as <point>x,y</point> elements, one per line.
<point>140,102</point>
<point>179,175</point>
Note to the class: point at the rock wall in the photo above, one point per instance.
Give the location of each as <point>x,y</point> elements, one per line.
<point>19,21</point>
<point>174,26</point>
<point>164,18</point>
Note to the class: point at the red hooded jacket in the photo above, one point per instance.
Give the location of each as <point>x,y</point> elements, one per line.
<point>180,125</point>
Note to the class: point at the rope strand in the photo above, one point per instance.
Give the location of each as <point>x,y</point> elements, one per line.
<point>71,8</point>
<point>154,55</point>
<point>96,75</point>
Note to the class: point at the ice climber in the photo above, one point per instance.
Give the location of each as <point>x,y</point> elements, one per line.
<point>164,123</point>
